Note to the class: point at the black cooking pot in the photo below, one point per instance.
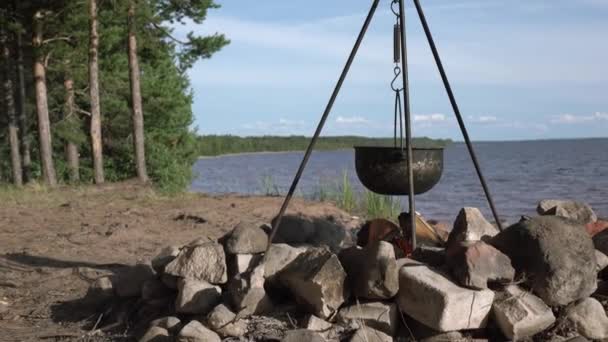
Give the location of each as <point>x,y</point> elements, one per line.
<point>383,170</point>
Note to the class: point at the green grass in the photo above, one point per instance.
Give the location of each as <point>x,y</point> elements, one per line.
<point>341,192</point>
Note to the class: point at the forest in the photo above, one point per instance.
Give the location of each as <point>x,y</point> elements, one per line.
<point>97,91</point>
<point>214,145</point>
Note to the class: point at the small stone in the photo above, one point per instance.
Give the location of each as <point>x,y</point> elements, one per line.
<point>246,238</point>
<point>101,289</point>
<point>302,335</point>
<point>170,323</point>
<point>222,321</point>
<point>317,281</point>
<point>4,306</point>
<point>520,314</point>
<point>240,263</point>
<point>164,257</point>
<point>196,332</point>
<point>316,324</point>
<point>372,270</point>
<point>589,319</point>
<point>475,264</point>
<point>555,254</point>
<point>367,334</point>
<point>601,259</point>
<point>154,289</point>
<point>247,293</point>
<point>470,225</point>
<point>156,334</point>
<point>196,297</point>
<point>205,261</point>
<point>129,282</point>
<point>577,211</point>
<point>377,315</point>
<point>279,256</point>
<point>431,298</point>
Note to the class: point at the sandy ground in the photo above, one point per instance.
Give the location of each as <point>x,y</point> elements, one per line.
<point>54,243</point>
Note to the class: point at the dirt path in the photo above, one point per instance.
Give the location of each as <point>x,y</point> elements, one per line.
<point>53,243</point>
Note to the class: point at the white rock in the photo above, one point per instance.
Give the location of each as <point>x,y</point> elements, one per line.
<point>247,292</point>
<point>101,289</point>
<point>367,334</point>
<point>602,260</point>
<point>222,321</point>
<point>165,256</point>
<point>240,263</point>
<point>520,314</point>
<point>279,256</point>
<point>316,324</point>
<point>589,319</point>
<point>317,281</point>
<point>382,316</point>
<point>170,323</point>
<point>470,225</point>
<point>431,298</point>
<point>302,335</point>
<point>196,332</point>
<point>196,297</point>
<point>200,261</point>
<point>156,334</point>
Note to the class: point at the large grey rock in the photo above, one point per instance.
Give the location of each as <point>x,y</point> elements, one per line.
<point>577,211</point>
<point>223,321</point>
<point>169,323</point>
<point>556,256</point>
<point>315,231</point>
<point>470,225</point>
<point>475,264</point>
<point>205,261</point>
<point>520,314</point>
<point>431,298</point>
<point>316,324</point>
<point>246,238</point>
<point>156,334</point>
<point>129,282</point>
<point>372,270</point>
<point>302,335</point>
<point>196,332</point>
<point>280,255</point>
<point>247,294</point>
<point>165,256</point>
<point>317,281</point>
<point>377,315</point>
<point>367,334</point>
<point>196,296</point>
<point>589,319</point>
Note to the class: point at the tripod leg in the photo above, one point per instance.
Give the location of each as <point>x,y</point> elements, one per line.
<point>408,125</point>
<point>330,104</point>
<point>463,128</point>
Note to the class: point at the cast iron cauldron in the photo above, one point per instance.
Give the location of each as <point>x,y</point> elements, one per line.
<point>383,170</point>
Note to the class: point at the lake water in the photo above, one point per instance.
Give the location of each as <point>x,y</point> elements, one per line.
<point>519,174</point>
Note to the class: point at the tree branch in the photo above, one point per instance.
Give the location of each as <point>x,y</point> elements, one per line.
<point>82,111</point>
<point>50,40</point>
<point>169,34</point>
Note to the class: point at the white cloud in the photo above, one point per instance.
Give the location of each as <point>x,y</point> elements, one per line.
<point>351,120</point>
<point>430,118</point>
<point>483,119</point>
<point>579,119</point>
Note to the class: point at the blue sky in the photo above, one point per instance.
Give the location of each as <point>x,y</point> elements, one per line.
<point>520,69</point>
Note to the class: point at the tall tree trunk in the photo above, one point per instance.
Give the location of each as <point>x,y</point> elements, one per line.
<point>71,149</point>
<point>26,159</point>
<point>137,110</point>
<point>96,144</point>
<point>42,107</point>
<point>9,100</point>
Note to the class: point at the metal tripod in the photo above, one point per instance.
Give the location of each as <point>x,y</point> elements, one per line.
<point>406,104</point>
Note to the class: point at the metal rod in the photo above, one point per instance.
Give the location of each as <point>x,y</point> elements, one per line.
<point>408,125</point>
<point>313,141</point>
<point>463,128</point>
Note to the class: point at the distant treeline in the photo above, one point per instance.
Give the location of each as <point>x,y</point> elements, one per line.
<point>213,145</point>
